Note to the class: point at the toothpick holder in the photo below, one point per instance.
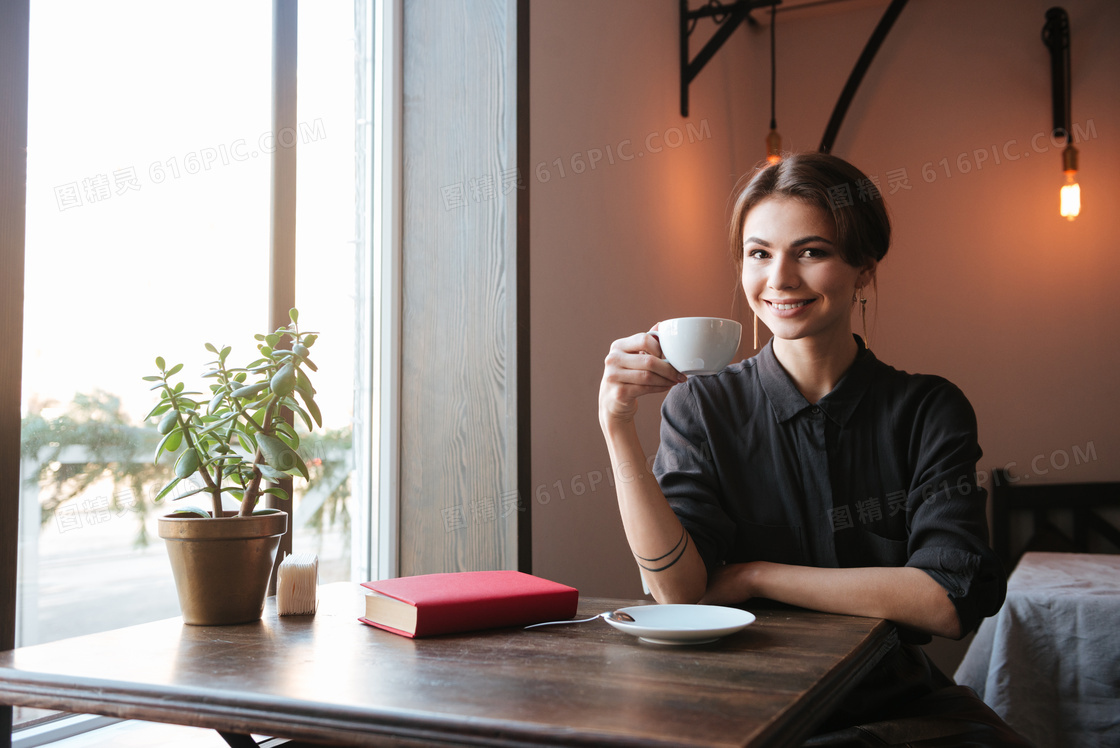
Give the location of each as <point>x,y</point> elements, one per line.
<point>297,585</point>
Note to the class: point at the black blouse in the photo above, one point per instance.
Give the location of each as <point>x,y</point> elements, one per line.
<point>880,472</point>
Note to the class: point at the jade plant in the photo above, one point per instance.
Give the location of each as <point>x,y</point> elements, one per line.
<point>235,438</point>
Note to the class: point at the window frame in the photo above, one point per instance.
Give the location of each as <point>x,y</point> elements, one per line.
<point>375,428</point>
<point>15,30</point>
<point>384,250</point>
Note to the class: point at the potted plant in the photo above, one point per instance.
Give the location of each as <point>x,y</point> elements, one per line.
<point>236,442</point>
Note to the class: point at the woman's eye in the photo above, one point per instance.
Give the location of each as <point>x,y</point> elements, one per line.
<point>815,253</point>
<point>757,254</point>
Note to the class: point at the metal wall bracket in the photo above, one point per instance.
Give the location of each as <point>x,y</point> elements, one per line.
<point>890,15</point>
<point>728,16</point>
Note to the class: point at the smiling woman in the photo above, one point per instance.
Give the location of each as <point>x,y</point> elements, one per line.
<point>827,479</point>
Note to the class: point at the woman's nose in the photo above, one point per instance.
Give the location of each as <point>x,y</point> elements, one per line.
<point>783,274</point>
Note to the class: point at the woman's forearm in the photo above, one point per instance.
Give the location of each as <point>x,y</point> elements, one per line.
<point>905,595</point>
<point>671,566</point>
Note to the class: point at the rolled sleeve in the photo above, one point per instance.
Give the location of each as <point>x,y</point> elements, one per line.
<point>948,534</point>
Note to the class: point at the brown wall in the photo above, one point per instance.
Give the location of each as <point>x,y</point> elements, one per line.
<point>985,283</point>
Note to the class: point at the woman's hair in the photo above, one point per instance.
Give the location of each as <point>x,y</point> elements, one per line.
<point>863,229</point>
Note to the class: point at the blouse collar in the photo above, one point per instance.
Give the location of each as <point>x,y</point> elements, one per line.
<point>839,404</point>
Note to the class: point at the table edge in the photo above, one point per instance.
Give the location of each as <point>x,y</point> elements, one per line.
<point>263,713</point>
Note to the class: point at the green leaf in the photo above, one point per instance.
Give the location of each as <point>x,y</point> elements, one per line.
<point>161,407</point>
<point>309,340</point>
<point>251,390</point>
<point>169,421</point>
<point>192,493</point>
<point>217,424</point>
<point>248,443</point>
<point>310,364</point>
<point>284,380</point>
<point>211,348</point>
<point>223,354</point>
<point>293,406</point>
<point>216,401</point>
<point>190,511</point>
<point>228,462</point>
<point>160,363</point>
<point>257,405</point>
<point>288,433</point>
<point>309,401</point>
<point>168,443</point>
<point>276,491</point>
<point>187,464</point>
<point>153,378</point>
<point>280,456</point>
<point>303,383</point>
<point>167,489</point>
<point>293,314</point>
<point>270,472</point>
<point>175,369</point>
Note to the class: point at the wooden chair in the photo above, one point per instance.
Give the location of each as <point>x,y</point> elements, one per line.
<point>1045,503</point>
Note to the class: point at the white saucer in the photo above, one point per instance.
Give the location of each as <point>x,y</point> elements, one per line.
<point>682,624</point>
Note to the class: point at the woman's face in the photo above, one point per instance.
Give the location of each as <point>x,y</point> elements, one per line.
<point>793,275</point>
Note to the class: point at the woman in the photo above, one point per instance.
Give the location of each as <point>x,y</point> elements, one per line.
<point>811,474</point>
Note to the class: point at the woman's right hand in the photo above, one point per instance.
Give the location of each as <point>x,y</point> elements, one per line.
<point>633,368</point>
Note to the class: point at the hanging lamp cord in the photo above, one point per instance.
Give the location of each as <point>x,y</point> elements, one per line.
<point>773,67</point>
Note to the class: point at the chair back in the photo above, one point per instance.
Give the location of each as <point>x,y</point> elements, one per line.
<point>1062,517</point>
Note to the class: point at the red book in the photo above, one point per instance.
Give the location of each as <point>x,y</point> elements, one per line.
<point>430,604</point>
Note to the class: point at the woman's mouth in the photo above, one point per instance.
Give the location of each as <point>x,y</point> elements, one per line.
<point>784,306</point>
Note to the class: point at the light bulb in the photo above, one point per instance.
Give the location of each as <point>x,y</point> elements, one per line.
<point>1071,196</point>
<point>773,147</point>
<point>1071,190</point>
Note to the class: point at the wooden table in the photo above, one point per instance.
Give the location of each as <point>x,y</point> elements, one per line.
<point>329,678</point>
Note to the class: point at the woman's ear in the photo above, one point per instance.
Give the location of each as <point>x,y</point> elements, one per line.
<point>867,273</point>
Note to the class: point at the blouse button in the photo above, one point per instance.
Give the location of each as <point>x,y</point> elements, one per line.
<point>816,410</point>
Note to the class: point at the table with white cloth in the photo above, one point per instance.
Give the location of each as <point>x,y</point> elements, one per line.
<point>1049,662</point>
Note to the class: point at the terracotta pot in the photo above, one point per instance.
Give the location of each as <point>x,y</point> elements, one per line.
<point>222,566</point>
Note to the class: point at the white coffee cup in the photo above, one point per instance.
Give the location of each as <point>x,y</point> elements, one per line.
<point>699,345</point>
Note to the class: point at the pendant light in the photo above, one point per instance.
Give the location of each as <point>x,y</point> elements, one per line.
<point>773,139</point>
<point>1055,35</point>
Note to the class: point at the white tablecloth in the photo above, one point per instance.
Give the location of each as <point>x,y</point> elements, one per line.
<point>1049,661</point>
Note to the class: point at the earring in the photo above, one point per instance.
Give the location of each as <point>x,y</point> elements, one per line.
<point>863,317</point>
<point>755,330</point>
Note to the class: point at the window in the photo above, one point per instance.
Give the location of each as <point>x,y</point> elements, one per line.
<point>148,214</point>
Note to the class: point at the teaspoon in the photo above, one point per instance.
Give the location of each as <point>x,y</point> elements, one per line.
<point>614,615</point>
